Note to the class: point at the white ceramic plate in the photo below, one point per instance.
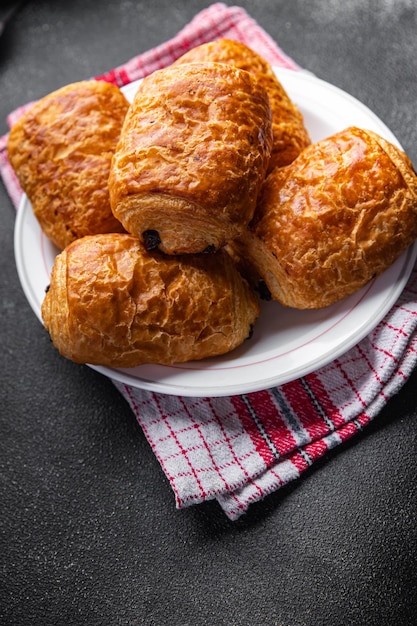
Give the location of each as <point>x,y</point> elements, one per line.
<point>286,343</point>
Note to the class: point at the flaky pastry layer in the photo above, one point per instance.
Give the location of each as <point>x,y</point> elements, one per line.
<point>339,215</point>
<point>290,135</point>
<point>61,151</point>
<point>112,303</point>
<point>192,155</point>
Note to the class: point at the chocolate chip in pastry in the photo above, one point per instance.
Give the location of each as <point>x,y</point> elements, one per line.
<point>112,303</point>
<point>290,135</point>
<point>339,215</point>
<point>192,155</point>
<point>61,151</point>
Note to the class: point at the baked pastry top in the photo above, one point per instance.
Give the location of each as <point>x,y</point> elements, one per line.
<point>192,155</point>
<point>61,151</point>
<point>339,215</point>
<point>111,302</point>
<point>290,135</point>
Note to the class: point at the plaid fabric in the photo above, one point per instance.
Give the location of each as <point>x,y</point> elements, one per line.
<point>239,449</point>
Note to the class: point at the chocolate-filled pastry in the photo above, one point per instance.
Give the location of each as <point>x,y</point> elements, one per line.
<point>290,135</point>
<point>111,302</point>
<point>339,215</point>
<point>192,155</point>
<point>61,151</point>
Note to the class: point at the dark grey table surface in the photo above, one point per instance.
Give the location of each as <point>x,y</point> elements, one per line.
<point>88,529</point>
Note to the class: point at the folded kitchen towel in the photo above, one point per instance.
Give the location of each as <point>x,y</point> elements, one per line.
<point>239,449</point>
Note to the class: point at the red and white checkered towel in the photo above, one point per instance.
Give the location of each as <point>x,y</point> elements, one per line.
<point>239,449</point>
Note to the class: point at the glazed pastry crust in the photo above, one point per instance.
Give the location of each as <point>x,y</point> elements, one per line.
<point>112,303</point>
<point>192,156</point>
<point>339,215</point>
<point>61,151</point>
<point>290,135</point>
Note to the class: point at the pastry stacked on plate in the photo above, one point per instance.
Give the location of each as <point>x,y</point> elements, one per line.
<point>174,212</point>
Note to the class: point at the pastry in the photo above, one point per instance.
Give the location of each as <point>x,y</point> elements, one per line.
<point>113,303</point>
<point>192,155</point>
<point>290,135</point>
<point>61,151</point>
<point>339,215</point>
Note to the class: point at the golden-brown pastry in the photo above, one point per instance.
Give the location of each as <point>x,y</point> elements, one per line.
<point>192,155</point>
<point>339,215</point>
<point>61,151</point>
<point>290,135</point>
<point>112,303</point>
